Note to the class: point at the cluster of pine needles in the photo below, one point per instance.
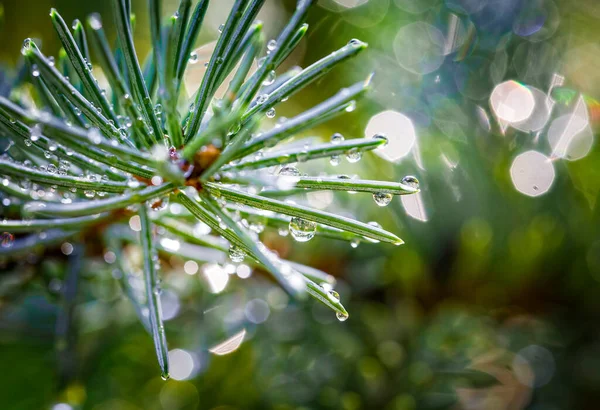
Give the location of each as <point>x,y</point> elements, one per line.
<point>87,164</point>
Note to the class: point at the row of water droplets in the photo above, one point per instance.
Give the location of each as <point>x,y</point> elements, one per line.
<point>237,255</point>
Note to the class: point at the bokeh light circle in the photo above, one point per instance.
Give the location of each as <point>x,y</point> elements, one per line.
<point>534,366</point>
<point>419,47</point>
<point>466,6</point>
<point>181,364</point>
<point>512,102</point>
<point>532,173</point>
<point>539,116</point>
<point>570,137</point>
<point>415,6</point>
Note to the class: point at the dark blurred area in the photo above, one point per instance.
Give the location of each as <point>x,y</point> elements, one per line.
<point>491,104</point>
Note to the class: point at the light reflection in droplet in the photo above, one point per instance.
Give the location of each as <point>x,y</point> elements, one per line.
<point>399,130</point>
<point>229,345</point>
<point>532,173</point>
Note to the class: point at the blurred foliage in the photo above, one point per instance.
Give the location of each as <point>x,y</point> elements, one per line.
<point>494,281</point>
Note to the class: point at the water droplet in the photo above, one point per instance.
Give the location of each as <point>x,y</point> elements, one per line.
<point>271,113</point>
<point>381,137</point>
<point>354,42</point>
<point>35,70</point>
<point>95,22</point>
<point>165,376</point>
<point>354,155</point>
<point>289,171</point>
<point>333,296</point>
<point>270,79</point>
<point>283,231</point>
<point>221,28</point>
<point>411,181</point>
<point>27,142</point>
<point>158,109</point>
<point>303,155</point>
<point>271,45</point>
<point>52,169</point>
<point>351,106</point>
<point>236,254</point>
<point>337,138</point>
<point>193,58</point>
<point>354,243</point>
<point>335,160</point>
<point>302,230</point>
<point>51,60</point>
<point>342,317</point>
<point>261,99</point>
<point>382,198</point>
<point>26,45</point>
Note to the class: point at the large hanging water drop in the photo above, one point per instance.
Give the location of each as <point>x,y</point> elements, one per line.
<point>382,198</point>
<point>342,317</point>
<point>302,230</point>
<point>236,254</point>
<point>354,155</point>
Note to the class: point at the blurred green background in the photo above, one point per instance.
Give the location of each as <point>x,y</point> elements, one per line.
<point>500,271</point>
